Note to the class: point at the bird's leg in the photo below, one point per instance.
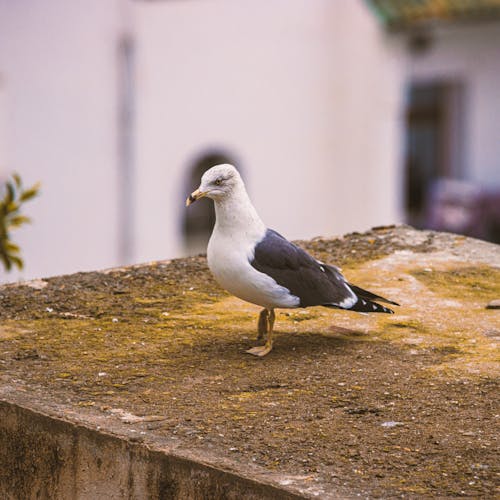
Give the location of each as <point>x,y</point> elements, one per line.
<point>271,319</point>
<point>263,325</point>
<point>262,350</point>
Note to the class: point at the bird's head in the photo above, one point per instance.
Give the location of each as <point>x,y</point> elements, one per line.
<point>216,183</point>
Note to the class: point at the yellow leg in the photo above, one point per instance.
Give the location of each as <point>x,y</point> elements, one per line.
<point>263,324</point>
<point>262,350</point>
<point>271,319</point>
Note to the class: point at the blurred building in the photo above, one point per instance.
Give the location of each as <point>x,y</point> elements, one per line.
<point>340,116</point>
<point>452,112</point>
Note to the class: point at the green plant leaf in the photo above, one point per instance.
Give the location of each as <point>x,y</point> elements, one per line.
<point>28,194</point>
<point>17,180</point>
<point>14,259</point>
<point>6,261</point>
<point>11,193</point>
<point>10,218</point>
<point>11,247</point>
<point>12,207</point>
<point>18,220</point>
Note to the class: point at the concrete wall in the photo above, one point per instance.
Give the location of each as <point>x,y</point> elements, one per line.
<point>470,54</point>
<point>46,457</point>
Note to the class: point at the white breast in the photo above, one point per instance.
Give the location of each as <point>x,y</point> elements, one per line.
<point>229,261</point>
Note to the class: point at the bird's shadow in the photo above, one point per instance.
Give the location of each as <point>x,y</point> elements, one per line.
<point>286,343</point>
<point>304,342</point>
<point>333,339</point>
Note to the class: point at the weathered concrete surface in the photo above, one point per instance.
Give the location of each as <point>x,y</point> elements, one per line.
<point>51,457</point>
<point>133,383</point>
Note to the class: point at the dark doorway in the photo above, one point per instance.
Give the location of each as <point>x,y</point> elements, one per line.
<point>434,144</point>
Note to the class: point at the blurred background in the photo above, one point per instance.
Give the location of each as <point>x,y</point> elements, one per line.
<point>340,114</point>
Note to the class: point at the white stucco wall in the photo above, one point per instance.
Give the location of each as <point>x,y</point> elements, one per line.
<point>470,54</point>
<point>58,64</point>
<point>3,126</point>
<point>306,95</point>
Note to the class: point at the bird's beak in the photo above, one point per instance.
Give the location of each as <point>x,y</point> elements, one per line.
<point>195,195</point>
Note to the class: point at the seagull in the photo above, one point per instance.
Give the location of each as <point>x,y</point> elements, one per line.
<point>260,266</point>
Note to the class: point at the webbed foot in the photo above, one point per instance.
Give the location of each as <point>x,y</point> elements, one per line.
<point>260,350</point>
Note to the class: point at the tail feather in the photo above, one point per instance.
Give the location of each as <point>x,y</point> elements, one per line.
<point>369,296</point>
<point>363,305</point>
<point>366,306</point>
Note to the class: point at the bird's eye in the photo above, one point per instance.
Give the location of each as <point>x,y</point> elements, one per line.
<point>218,182</point>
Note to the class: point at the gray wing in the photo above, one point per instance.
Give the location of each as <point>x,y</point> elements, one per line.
<point>312,281</point>
<point>290,266</point>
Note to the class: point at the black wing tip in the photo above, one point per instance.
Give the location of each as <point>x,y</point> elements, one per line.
<point>364,306</point>
<point>368,306</point>
<point>393,303</point>
<point>370,296</point>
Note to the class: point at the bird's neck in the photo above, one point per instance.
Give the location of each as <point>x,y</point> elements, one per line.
<point>236,212</point>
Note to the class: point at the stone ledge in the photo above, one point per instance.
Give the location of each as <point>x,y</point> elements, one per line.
<point>44,456</point>
<point>144,367</point>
